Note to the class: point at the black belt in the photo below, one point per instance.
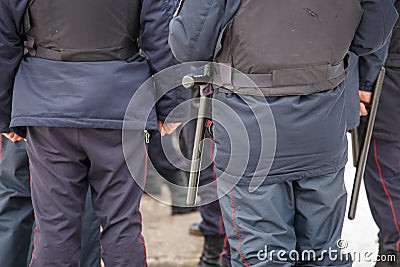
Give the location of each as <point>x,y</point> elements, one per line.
<point>101,54</point>
<point>296,81</point>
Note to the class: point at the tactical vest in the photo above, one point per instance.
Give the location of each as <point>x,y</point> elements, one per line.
<point>393,59</point>
<point>83,30</point>
<point>288,47</point>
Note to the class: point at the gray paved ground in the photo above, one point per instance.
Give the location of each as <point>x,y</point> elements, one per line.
<point>169,244</point>
<point>167,239</point>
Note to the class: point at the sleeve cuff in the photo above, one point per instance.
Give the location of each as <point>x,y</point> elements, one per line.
<point>366,86</point>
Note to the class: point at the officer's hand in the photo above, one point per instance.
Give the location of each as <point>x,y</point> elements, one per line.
<point>13,136</point>
<point>168,127</point>
<point>365,98</point>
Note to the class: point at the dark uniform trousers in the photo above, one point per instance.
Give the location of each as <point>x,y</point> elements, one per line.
<point>212,223</point>
<point>301,203</point>
<point>64,162</point>
<point>16,212</point>
<point>382,183</point>
<point>17,216</point>
<point>176,179</point>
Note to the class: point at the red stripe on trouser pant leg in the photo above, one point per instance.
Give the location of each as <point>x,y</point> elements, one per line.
<point>34,230</point>
<point>142,241</point>
<point>221,222</point>
<point>387,194</point>
<point>225,251</point>
<point>235,226</point>
<point>146,163</point>
<point>141,219</point>
<point>34,244</point>
<point>1,147</point>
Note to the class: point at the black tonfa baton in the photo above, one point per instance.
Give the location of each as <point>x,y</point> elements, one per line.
<point>360,159</point>
<point>202,83</point>
<point>179,8</point>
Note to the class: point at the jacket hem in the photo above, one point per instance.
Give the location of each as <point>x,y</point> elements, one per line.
<point>81,123</point>
<point>296,175</point>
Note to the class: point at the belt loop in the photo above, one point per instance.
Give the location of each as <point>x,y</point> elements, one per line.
<point>346,61</point>
<point>30,45</point>
<point>226,75</point>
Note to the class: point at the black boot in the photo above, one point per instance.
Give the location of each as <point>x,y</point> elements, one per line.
<point>194,229</point>
<point>212,250</point>
<point>176,210</point>
<point>225,262</point>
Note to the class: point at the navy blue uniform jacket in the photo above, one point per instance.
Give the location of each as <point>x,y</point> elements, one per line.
<point>310,129</point>
<point>40,92</point>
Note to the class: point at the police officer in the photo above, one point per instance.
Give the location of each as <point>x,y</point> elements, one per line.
<point>295,52</point>
<point>86,59</point>
<point>16,212</point>
<point>382,174</point>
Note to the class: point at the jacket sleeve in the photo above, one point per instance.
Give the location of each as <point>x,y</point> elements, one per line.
<point>11,52</point>
<point>195,30</point>
<point>369,67</point>
<point>155,18</point>
<point>375,27</point>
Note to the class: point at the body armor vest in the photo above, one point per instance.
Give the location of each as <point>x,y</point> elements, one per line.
<point>289,47</point>
<point>83,30</point>
<point>393,59</point>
